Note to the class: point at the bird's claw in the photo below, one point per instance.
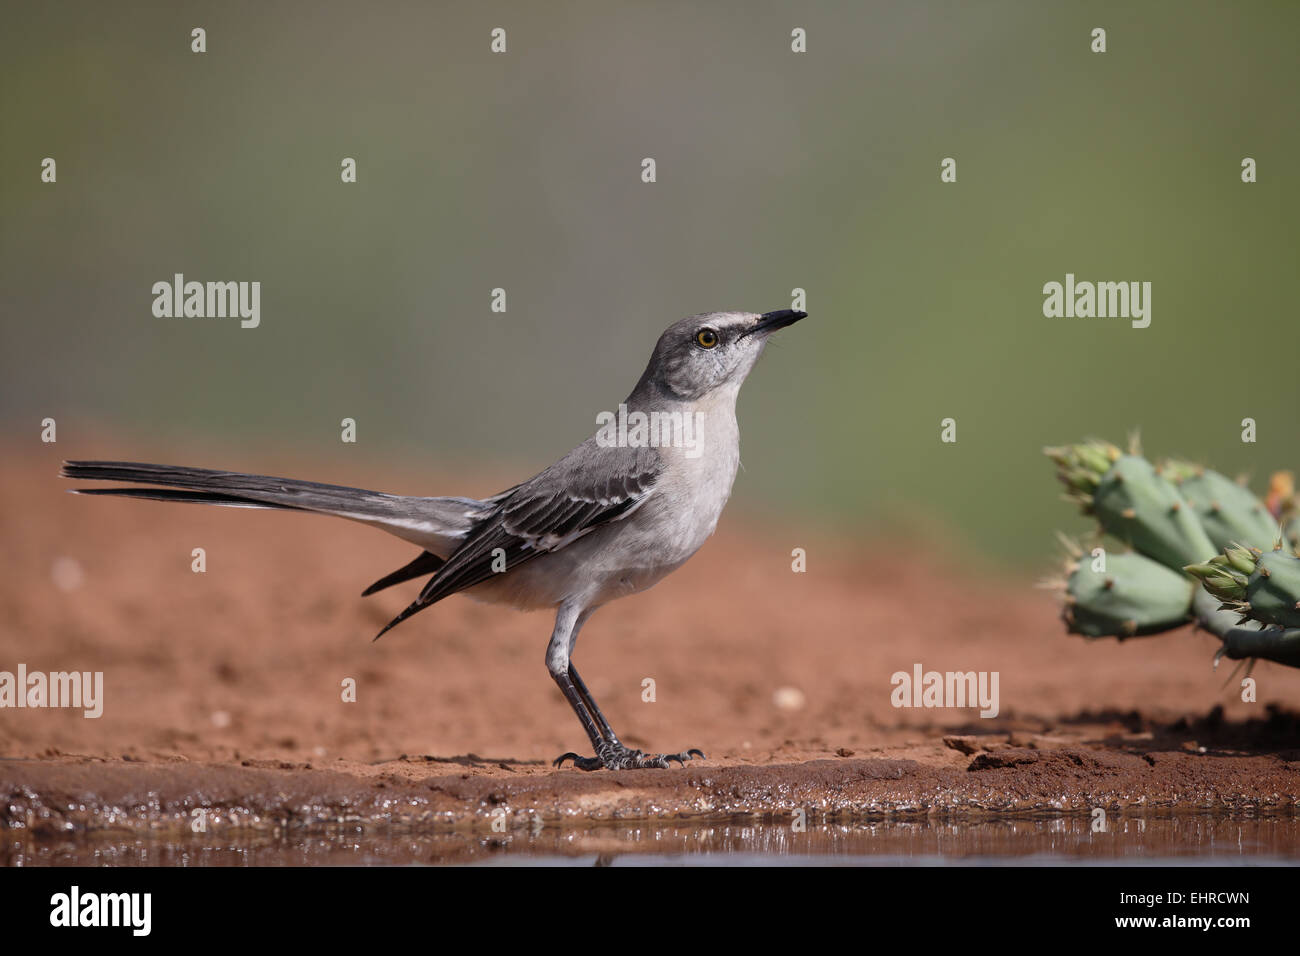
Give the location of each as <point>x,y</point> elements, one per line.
<point>618,757</point>
<point>582,763</point>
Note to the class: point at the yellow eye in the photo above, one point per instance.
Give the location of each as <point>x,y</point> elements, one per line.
<point>707,338</point>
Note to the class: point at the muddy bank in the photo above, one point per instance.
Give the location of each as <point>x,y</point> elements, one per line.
<point>47,797</point>
<point>223,690</point>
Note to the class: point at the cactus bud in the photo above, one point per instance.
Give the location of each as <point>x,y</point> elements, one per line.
<point>1263,586</point>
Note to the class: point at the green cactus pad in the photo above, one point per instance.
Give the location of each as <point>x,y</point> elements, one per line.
<point>1212,615</point>
<point>1144,509</point>
<point>1133,596</point>
<point>1273,594</point>
<point>1271,645</point>
<point>1228,512</point>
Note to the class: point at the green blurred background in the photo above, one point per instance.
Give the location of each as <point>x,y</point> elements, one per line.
<point>776,170</point>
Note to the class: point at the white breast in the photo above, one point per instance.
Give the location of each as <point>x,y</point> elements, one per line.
<point>632,554</point>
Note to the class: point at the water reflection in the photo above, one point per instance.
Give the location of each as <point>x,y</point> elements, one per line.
<point>1129,838</point>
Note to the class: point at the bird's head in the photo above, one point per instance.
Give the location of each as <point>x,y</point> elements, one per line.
<point>713,350</point>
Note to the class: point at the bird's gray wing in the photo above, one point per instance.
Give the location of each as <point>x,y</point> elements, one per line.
<point>589,487</point>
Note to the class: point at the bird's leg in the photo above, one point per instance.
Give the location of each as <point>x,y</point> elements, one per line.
<point>589,702</point>
<point>614,754</point>
<point>575,701</point>
<point>611,753</point>
<point>567,622</point>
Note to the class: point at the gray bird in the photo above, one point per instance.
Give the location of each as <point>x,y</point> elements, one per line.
<point>611,518</point>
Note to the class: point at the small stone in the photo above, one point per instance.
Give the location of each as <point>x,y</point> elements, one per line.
<point>67,574</point>
<point>789,698</point>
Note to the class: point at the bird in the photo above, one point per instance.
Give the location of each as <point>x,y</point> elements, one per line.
<point>614,516</point>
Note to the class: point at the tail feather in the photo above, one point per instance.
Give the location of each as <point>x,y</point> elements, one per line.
<point>410,609</point>
<point>282,491</point>
<point>426,563</point>
<point>435,524</point>
<point>192,497</point>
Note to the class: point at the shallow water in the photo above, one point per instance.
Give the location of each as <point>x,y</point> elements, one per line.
<point>1130,839</point>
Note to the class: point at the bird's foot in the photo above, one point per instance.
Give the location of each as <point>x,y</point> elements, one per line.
<point>618,757</point>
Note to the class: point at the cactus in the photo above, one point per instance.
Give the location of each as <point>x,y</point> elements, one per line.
<point>1259,585</point>
<point>1132,596</point>
<point>1185,517</point>
<point>1271,644</point>
<point>1133,502</point>
<point>1228,512</point>
<point>1081,468</point>
<point>1284,504</point>
<point>1280,497</point>
<point>1137,505</point>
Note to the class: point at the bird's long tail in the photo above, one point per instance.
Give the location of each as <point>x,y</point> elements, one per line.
<point>435,524</point>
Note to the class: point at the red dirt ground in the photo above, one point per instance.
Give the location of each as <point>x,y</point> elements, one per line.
<point>223,689</point>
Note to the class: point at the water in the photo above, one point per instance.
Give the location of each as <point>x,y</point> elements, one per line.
<point>1133,839</point>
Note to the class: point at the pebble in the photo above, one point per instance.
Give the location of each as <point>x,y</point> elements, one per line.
<point>789,698</point>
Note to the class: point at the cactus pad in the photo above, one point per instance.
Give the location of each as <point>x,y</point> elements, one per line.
<point>1133,596</point>
<point>1228,511</point>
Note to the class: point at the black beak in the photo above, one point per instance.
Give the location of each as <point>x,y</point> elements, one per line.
<point>771,321</point>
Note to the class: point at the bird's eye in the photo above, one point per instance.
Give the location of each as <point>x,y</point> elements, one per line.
<point>707,338</point>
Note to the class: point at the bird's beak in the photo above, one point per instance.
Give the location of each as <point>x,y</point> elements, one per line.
<point>771,321</point>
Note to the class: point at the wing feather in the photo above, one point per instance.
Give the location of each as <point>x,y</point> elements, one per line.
<point>590,487</point>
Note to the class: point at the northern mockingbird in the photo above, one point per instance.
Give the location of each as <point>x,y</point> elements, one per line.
<point>610,518</point>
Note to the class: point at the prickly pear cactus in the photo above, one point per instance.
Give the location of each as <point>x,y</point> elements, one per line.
<point>1228,512</point>
<point>1144,509</point>
<point>1081,468</point>
<point>1286,505</point>
<point>1178,516</point>
<point>1270,644</point>
<point>1259,585</point>
<point>1133,595</point>
<point>1133,502</point>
